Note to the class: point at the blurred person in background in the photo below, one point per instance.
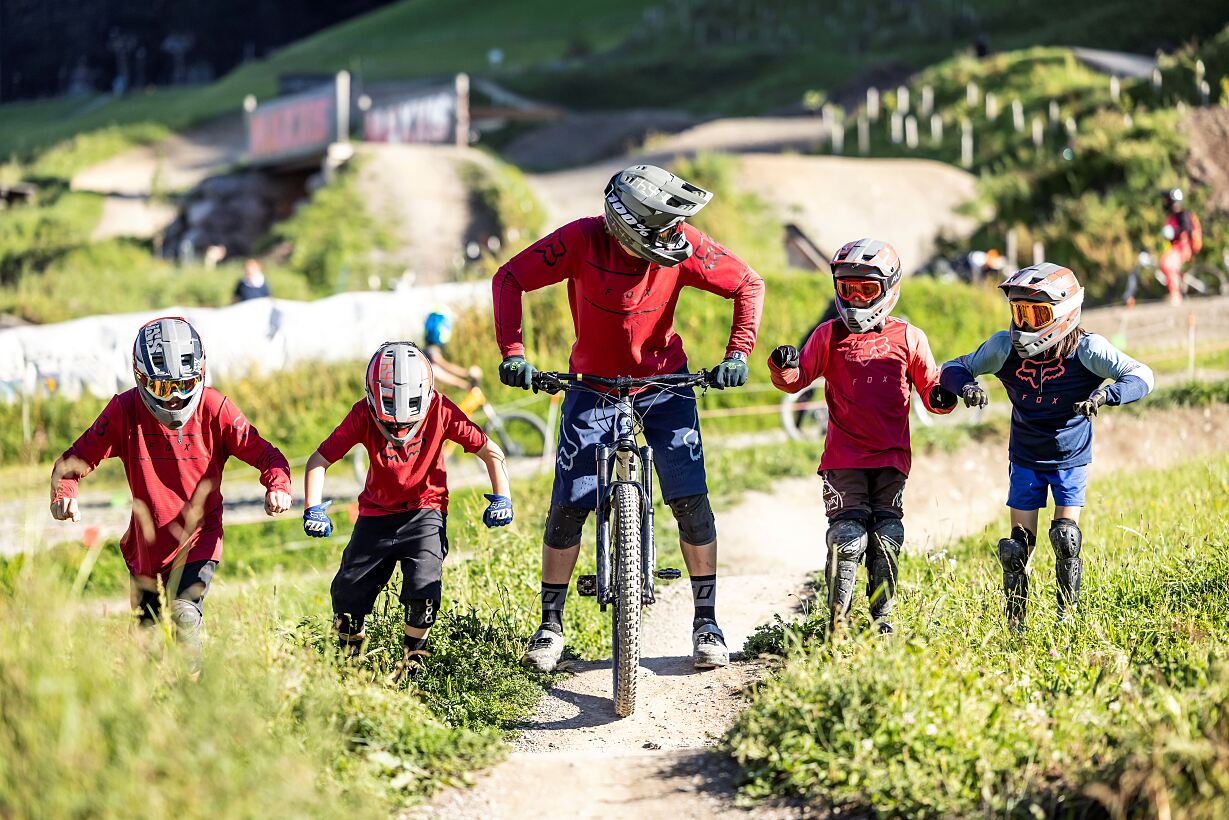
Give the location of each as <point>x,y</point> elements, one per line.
<point>253,285</point>
<point>437,331</point>
<point>1185,237</point>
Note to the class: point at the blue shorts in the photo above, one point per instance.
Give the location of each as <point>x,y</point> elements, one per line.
<point>1027,490</point>
<point>671,428</point>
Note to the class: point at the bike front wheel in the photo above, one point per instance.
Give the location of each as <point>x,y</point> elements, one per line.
<point>804,415</point>
<point>628,581</point>
<point>521,435</point>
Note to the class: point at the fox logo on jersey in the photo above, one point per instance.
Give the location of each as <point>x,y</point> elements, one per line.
<point>867,350</point>
<point>552,249</point>
<point>1038,373</point>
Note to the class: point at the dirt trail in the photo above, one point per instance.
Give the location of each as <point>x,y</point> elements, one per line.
<point>659,762</point>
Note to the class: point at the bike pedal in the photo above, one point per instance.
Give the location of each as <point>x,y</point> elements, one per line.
<point>667,574</point>
<point>586,586</point>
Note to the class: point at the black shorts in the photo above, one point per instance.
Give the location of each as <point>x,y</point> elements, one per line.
<point>416,539</point>
<point>877,492</point>
<point>193,584</point>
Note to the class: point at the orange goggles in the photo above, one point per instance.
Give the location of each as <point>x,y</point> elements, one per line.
<point>166,388</point>
<point>864,290</point>
<point>1031,315</point>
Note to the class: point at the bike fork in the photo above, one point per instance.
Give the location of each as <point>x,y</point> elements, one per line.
<point>648,547</point>
<point>605,464</point>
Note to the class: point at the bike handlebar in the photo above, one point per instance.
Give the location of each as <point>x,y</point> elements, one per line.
<point>551,382</point>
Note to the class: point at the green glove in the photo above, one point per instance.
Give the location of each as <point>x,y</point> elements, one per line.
<point>731,373</point>
<point>514,371</point>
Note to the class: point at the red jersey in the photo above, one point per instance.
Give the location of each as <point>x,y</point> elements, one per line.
<point>175,479</point>
<point>410,477</point>
<point>623,306</point>
<point>868,376</point>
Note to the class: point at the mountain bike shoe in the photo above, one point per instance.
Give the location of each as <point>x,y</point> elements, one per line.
<point>708,648</point>
<point>544,650</point>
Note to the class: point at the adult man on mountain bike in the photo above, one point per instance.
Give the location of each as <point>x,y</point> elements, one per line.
<point>624,271</point>
<point>1185,236</point>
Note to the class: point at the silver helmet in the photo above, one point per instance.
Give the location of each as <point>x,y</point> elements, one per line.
<point>400,385</point>
<point>168,363</point>
<point>866,276</point>
<point>645,209</point>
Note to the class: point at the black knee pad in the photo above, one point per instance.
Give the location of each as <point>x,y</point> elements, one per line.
<point>349,627</point>
<point>1065,538</point>
<point>694,515</point>
<point>888,536</point>
<point>563,526</point>
<point>1013,551</point>
<point>420,612</point>
<point>847,539</point>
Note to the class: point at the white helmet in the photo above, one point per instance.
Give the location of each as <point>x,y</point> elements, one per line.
<point>168,363</point>
<point>399,385</point>
<point>866,276</point>
<point>1046,302</point>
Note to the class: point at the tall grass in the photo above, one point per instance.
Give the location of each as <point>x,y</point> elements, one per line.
<point>1125,708</point>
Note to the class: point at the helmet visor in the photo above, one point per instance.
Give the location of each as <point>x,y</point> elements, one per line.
<point>168,388</point>
<point>1031,315</point>
<point>861,292</point>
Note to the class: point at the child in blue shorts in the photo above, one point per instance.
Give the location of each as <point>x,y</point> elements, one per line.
<point>1054,373</point>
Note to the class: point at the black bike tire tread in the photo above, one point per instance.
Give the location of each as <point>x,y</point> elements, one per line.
<point>627,599</point>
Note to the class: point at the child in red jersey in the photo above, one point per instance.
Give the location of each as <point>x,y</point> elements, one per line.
<point>869,361</point>
<point>174,436</point>
<point>403,424</point>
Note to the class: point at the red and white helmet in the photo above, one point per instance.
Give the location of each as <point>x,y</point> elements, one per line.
<point>1046,302</point>
<point>400,386</point>
<point>866,275</point>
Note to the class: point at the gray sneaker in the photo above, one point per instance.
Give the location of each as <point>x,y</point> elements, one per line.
<point>544,650</point>
<point>708,648</point>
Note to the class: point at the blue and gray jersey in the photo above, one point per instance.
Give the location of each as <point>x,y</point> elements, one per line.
<point>1046,432</point>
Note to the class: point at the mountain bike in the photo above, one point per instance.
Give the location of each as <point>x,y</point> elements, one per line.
<point>521,435</point>
<point>625,552</point>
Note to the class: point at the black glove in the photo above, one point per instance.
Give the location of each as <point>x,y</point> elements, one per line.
<point>974,395</point>
<point>730,373</point>
<point>785,357</point>
<point>941,398</point>
<point>514,371</point>
<point>1088,409</point>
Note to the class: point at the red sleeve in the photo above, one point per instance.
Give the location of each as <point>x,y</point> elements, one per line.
<point>101,441</point>
<point>244,442</point>
<point>459,428</point>
<point>923,371</point>
<point>546,262</point>
<point>716,270</point>
<point>345,435</point>
<point>812,362</point>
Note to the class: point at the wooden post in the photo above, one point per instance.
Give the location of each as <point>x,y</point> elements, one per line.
<point>936,129</point>
<point>911,132</point>
<point>897,127</point>
<point>1205,93</point>
<point>928,101</point>
<point>1038,132</point>
<point>1017,114</point>
<point>1055,114</point>
<point>864,135</point>
<point>902,99</point>
<point>966,143</point>
<point>992,106</point>
<point>872,104</point>
<point>1039,252</point>
<point>1115,88</point>
<point>1157,79</point>
<point>970,93</point>
<point>836,133</point>
<point>1013,250</point>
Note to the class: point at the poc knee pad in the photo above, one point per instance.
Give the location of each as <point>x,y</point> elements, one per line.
<point>420,613</point>
<point>847,543</point>
<point>694,514</point>
<point>1066,539</point>
<point>563,526</point>
<point>1013,555</point>
<point>887,538</point>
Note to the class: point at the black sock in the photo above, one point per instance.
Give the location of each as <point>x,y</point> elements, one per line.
<point>704,597</point>
<point>553,598</point>
<point>413,644</point>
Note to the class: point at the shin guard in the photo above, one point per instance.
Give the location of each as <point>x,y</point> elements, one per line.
<point>1013,555</point>
<point>847,541</point>
<point>1066,539</point>
<point>882,557</point>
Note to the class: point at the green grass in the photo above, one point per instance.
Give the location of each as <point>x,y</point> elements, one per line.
<point>955,717</point>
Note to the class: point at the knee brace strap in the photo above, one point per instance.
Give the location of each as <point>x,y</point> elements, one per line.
<point>1065,538</point>
<point>420,612</point>
<point>563,526</point>
<point>697,525</point>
